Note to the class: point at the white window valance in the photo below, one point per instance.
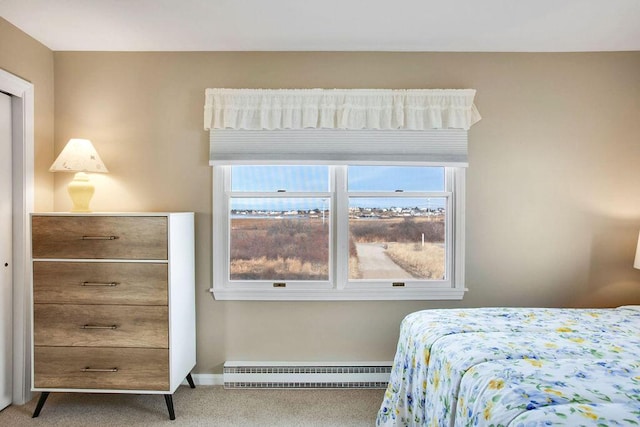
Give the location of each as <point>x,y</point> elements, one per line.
<point>407,109</point>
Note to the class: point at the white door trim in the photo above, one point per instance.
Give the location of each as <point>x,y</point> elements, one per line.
<point>22,109</point>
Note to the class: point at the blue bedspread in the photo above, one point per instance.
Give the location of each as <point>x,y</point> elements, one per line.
<point>493,367</point>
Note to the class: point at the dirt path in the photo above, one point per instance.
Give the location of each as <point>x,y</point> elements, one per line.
<point>375,264</point>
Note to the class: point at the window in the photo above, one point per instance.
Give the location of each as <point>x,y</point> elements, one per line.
<point>397,223</point>
<point>348,194</point>
<point>356,232</point>
<point>279,224</point>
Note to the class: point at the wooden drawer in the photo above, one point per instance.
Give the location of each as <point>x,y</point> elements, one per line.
<point>100,283</point>
<point>101,368</point>
<point>99,237</point>
<point>101,325</point>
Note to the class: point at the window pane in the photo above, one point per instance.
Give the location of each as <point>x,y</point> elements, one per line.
<point>279,239</point>
<point>275,178</point>
<point>392,178</point>
<point>397,238</point>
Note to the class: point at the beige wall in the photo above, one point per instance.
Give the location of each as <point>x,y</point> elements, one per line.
<point>553,206</point>
<point>30,60</point>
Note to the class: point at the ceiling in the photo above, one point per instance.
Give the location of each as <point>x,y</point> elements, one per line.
<point>330,25</point>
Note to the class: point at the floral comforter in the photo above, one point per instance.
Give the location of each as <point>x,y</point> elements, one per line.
<point>516,366</point>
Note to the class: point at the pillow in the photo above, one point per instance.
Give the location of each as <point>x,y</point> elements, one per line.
<point>631,307</point>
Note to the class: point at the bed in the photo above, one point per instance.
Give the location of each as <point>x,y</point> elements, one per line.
<point>516,367</point>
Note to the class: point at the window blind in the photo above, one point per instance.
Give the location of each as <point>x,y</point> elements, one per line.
<point>447,147</point>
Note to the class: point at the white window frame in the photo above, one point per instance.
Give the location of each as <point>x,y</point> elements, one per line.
<point>339,287</point>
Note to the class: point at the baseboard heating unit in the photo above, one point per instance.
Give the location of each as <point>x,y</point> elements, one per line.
<point>306,375</point>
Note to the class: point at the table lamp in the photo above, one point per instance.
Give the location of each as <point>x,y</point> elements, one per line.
<point>636,263</point>
<point>81,157</point>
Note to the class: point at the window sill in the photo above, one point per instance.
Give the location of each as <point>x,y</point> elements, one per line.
<point>336,295</point>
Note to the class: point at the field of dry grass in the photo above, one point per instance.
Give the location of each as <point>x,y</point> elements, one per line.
<point>279,249</point>
<point>298,248</point>
<point>277,269</point>
<point>399,229</point>
<point>354,270</point>
<point>422,262</point>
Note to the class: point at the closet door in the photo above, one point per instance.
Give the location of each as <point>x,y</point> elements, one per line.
<point>6,285</point>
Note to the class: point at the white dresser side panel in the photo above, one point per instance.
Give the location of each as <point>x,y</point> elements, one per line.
<point>182,315</point>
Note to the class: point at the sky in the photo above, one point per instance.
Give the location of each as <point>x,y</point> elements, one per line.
<point>316,179</point>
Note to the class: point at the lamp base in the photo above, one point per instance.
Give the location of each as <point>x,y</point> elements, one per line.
<point>81,191</point>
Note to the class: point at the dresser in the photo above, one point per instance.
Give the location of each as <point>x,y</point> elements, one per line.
<point>113,303</point>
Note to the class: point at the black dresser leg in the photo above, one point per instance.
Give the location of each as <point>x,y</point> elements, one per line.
<point>169,399</point>
<point>190,380</point>
<point>43,398</point>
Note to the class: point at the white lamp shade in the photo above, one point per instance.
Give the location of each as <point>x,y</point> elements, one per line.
<point>636,264</point>
<point>78,155</point>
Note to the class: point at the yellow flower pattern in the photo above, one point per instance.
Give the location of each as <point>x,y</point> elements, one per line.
<point>496,384</point>
<point>487,411</point>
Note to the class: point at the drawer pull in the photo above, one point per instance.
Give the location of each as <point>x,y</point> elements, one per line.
<point>110,284</point>
<point>99,327</point>
<point>99,237</point>
<point>88,369</point>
